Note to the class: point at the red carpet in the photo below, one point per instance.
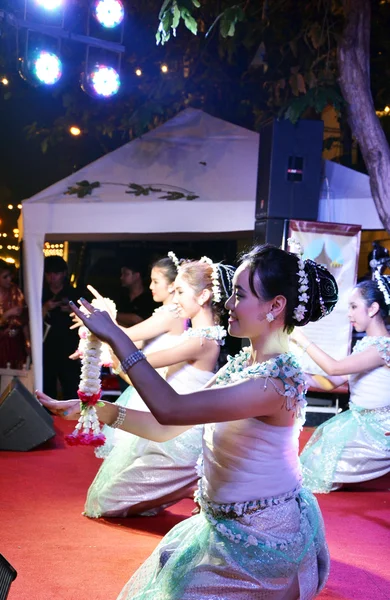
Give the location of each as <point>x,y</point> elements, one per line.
<point>61,555</point>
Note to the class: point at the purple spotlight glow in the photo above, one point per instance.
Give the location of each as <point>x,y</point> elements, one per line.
<point>109,13</point>
<point>50,4</point>
<point>105,81</point>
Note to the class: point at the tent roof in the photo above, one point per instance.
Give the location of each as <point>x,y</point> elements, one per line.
<point>346,197</point>
<point>193,153</point>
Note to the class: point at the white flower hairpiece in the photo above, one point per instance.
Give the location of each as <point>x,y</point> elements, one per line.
<point>303,281</point>
<point>216,286</point>
<point>174,259</point>
<point>382,287</point>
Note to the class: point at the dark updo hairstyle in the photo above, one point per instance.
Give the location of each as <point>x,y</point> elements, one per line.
<point>199,275</point>
<point>168,267</point>
<point>371,293</point>
<point>274,272</point>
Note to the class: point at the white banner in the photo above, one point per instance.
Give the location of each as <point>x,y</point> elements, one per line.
<point>336,246</point>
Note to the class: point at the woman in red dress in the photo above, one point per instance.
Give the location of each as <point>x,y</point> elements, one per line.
<point>14,337</point>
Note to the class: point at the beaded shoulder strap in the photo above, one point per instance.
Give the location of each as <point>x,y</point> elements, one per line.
<point>170,308</point>
<point>215,332</point>
<point>381,343</point>
<point>283,367</point>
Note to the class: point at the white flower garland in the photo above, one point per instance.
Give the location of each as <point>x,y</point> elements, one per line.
<point>87,431</point>
<point>216,286</point>
<point>382,287</point>
<point>174,259</point>
<point>303,281</point>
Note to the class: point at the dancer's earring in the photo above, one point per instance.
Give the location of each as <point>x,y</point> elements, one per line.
<point>269,316</point>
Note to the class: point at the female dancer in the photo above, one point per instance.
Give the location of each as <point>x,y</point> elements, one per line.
<point>352,446</point>
<point>140,476</point>
<point>259,534</point>
<point>162,330</point>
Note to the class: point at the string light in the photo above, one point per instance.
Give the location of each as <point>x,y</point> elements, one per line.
<point>164,68</point>
<point>74,130</point>
<point>138,72</point>
<point>5,81</point>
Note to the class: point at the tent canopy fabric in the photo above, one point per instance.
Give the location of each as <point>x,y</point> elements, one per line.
<point>194,154</point>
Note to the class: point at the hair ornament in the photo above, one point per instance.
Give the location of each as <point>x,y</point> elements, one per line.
<point>303,281</point>
<point>382,286</point>
<point>174,259</point>
<point>216,286</point>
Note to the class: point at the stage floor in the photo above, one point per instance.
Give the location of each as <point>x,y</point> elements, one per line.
<point>61,555</point>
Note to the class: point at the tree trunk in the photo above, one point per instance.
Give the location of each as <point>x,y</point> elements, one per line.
<point>354,68</point>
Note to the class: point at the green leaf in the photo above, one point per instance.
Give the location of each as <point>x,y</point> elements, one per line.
<point>44,145</point>
<point>189,21</point>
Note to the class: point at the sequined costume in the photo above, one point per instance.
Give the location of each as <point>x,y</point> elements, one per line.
<point>138,470</point>
<point>259,535</point>
<point>352,446</point>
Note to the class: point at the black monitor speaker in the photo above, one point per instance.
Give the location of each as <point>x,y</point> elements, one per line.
<point>7,575</point>
<point>24,423</point>
<point>289,170</point>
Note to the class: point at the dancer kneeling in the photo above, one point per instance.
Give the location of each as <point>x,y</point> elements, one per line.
<point>259,533</point>
<point>142,475</point>
<point>353,446</point>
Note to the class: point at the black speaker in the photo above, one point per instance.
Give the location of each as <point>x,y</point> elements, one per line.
<point>7,575</point>
<point>24,423</point>
<point>271,231</point>
<point>289,170</point>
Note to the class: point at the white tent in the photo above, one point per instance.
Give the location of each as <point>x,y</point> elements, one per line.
<point>193,153</point>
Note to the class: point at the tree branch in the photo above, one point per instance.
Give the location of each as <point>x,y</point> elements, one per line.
<point>354,67</point>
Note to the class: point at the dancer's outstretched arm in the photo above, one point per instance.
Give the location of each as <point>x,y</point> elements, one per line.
<point>249,398</point>
<point>160,322</point>
<point>326,384</point>
<point>354,363</point>
<point>142,424</point>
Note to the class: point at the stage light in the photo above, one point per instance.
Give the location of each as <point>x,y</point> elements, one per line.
<point>104,81</point>
<point>74,130</point>
<point>47,68</point>
<point>164,68</point>
<point>109,13</point>
<point>49,4</point>
<point>387,109</point>
<point>19,206</point>
<point>138,72</point>
<point>10,206</point>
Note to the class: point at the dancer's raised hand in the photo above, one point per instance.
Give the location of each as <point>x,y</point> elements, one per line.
<point>67,409</point>
<point>97,321</point>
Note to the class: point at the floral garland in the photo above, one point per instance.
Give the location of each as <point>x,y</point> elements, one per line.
<point>216,286</point>
<point>174,259</point>
<point>303,281</point>
<point>87,431</point>
<point>381,285</point>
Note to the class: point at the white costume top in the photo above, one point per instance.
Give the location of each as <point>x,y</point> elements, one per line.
<point>371,389</point>
<point>249,459</point>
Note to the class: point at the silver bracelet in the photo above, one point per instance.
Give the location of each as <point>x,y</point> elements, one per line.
<point>132,360</point>
<point>120,418</point>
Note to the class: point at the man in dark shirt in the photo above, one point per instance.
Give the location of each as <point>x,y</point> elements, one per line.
<point>59,340</point>
<point>138,303</point>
